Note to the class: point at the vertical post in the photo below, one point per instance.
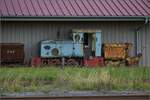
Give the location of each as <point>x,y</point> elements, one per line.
<point>137,42</point>
<point>62,62</point>
<point>138,50</point>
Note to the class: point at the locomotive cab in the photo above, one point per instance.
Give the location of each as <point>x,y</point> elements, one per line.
<point>91,40</point>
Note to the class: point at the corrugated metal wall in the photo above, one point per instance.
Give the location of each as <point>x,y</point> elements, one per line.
<point>0,36</point>
<point>31,33</point>
<point>144,44</point>
<point>0,31</point>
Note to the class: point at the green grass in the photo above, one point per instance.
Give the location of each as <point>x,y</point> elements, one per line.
<point>47,79</point>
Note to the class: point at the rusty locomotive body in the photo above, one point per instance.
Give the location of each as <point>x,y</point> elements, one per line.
<point>82,46</point>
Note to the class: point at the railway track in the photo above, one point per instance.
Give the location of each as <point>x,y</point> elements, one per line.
<point>122,97</point>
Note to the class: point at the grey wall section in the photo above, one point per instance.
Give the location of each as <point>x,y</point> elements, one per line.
<point>144,44</point>
<point>0,35</point>
<point>31,33</point>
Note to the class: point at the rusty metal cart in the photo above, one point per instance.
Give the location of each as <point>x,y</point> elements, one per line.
<point>115,53</point>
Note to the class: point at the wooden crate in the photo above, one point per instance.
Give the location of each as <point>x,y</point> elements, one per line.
<point>12,53</point>
<point>115,51</point>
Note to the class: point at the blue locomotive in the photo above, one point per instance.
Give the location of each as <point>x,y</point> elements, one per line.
<point>84,44</point>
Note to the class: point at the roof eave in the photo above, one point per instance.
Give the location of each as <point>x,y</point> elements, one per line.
<point>76,18</point>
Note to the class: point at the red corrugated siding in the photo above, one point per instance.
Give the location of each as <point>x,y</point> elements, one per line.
<point>75,7</point>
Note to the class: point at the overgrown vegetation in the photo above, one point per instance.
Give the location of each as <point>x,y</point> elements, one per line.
<point>47,79</point>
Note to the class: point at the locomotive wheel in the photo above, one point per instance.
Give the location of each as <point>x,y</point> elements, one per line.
<point>44,61</point>
<point>55,62</point>
<point>50,62</point>
<point>72,62</point>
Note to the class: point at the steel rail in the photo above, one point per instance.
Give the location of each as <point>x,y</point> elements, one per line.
<point>120,97</point>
